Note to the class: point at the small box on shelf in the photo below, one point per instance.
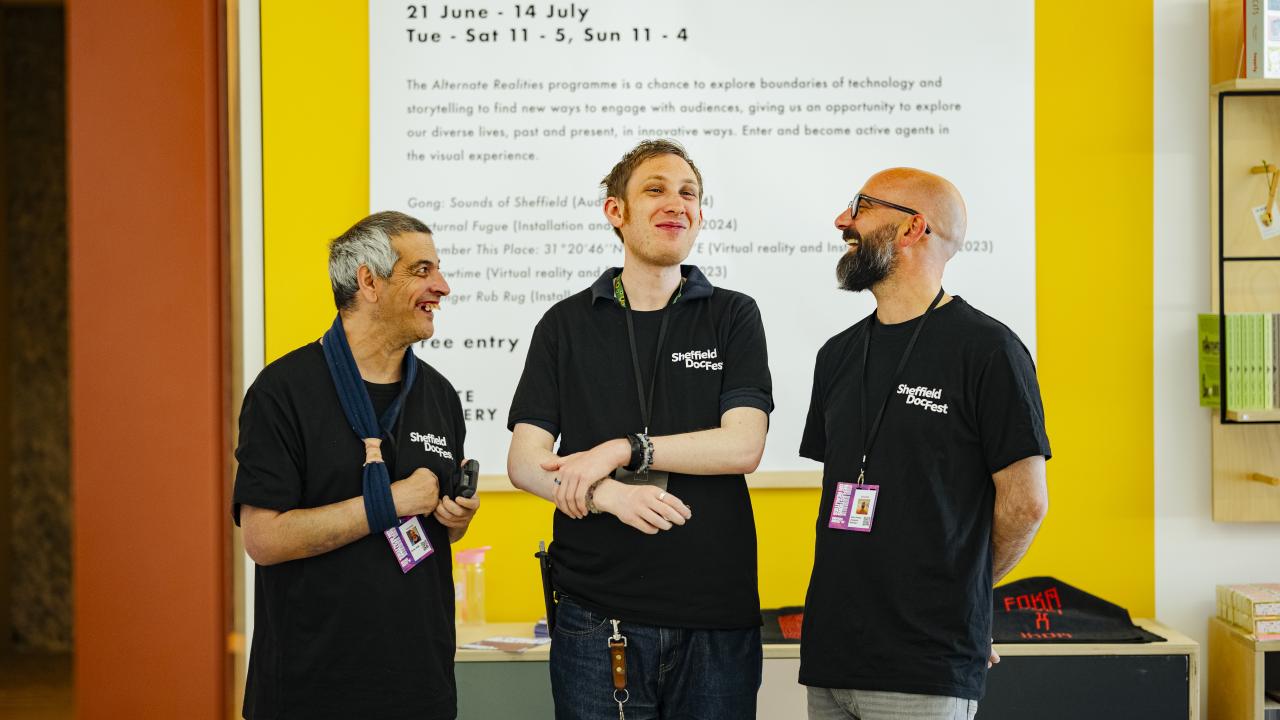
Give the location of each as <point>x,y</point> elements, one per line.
<point>1252,608</point>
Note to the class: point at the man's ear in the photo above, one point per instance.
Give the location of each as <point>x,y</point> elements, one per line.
<point>914,231</point>
<point>367,284</point>
<point>613,211</point>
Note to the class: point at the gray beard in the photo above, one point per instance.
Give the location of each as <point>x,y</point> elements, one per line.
<point>872,262</point>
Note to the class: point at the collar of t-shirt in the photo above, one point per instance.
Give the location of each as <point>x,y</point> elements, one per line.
<point>696,285</point>
<point>382,395</point>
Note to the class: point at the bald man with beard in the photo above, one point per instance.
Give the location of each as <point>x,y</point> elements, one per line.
<point>927,418</point>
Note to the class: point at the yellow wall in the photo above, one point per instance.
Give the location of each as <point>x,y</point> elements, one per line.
<point>315,157</point>
<point>1093,278</point>
<point>1094,294</point>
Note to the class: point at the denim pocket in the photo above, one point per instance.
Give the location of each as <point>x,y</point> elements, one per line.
<point>576,621</point>
<point>725,664</point>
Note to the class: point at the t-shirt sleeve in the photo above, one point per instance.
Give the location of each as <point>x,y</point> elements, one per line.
<point>269,472</point>
<point>537,398</point>
<point>813,443</point>
<point>746,381</point>
<point>1009,409</point>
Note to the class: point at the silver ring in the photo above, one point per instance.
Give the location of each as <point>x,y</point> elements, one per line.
<point>662,494</point>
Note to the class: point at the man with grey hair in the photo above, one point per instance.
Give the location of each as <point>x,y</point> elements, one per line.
<point>927,418</point>
<point>347,623</point>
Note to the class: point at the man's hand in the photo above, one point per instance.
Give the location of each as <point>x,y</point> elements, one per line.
<point>994,657</point>
<point>576,472</point>
<point>646,508</point>
<point>417,494</point>
<point>456,514</point>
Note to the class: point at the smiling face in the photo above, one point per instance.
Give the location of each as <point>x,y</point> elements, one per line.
<point>409,299</point>
<point>871,257</point>
<point>872,236</point>
<point>662,212</point>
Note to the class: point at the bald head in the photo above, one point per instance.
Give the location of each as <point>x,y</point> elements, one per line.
<point>930,195</point>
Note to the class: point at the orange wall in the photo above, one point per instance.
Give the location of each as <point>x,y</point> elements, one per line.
<point>148,383</point>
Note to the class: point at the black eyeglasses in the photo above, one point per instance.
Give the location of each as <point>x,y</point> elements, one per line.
<point>856,204</point>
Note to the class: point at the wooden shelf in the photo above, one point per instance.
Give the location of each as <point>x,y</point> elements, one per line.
<point>1237,673</point>
<point>1174,643</point>
<point>1253,415</point>
<point>1245,85</point>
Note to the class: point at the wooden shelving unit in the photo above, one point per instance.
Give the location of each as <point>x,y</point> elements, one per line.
<point>1245,277</point>
<point>1241,669</point>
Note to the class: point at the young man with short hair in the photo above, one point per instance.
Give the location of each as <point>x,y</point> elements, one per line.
<point>657,385</point>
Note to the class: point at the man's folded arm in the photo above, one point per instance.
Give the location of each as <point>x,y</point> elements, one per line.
<point>272,536</point>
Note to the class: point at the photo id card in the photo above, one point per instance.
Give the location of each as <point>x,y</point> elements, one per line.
<point>854,507</point>
<point>409,543</point>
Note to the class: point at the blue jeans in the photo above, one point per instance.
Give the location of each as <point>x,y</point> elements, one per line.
<point>672,673</point>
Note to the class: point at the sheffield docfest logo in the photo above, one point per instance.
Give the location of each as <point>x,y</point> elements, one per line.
<point>432,443</point>
<point>924,397</point>
<point>699,359</point>
<point>1042,604</point>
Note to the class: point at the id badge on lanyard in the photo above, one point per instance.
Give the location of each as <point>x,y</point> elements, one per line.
<point>854,506</point>
<point>409,542</point>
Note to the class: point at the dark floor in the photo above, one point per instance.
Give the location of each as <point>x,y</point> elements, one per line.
<point>36,687</point>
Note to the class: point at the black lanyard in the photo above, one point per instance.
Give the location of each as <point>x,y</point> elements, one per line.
<point>870,437</point>
<point>646,408</point>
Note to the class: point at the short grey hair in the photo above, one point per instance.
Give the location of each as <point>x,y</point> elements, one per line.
<point>367,243</point>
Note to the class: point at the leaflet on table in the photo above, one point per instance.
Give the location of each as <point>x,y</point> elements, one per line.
<point>507,644</point>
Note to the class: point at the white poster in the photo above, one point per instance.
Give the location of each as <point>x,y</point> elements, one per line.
<point>494,122</point>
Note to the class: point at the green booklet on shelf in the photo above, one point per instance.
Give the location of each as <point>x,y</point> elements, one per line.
<point>1275,362</point>
<point>1267,369</point>
<point>1232,361</point>
<point>1210,374</point>
<point>1251,362</point>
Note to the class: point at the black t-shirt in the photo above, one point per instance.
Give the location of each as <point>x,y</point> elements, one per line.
<point>346,634</point>
<point>907,606</point>
<point>578,383</point>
